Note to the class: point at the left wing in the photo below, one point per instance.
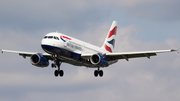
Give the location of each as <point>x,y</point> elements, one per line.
<point>127,55</point>
<point>26,54</point>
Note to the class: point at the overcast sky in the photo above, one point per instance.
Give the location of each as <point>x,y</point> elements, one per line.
<point>142,25</point>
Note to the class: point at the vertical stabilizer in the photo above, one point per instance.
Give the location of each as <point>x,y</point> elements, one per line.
<point>110,38</point>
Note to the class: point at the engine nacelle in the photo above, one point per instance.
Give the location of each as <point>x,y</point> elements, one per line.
<point>99,60</point>
<point>39,60</point>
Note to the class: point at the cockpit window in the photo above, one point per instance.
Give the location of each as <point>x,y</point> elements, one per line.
<point>51,37</point>
<point>56,38</point>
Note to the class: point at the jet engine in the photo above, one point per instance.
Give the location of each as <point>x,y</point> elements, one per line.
<point>39,60</point>
<point>99,60</point>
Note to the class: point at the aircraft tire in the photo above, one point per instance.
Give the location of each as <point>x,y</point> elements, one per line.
<point>100,73</point>
<point>96,73</point>
<point>56,73</point>
<point>61,73</point>
<point>53,65</point>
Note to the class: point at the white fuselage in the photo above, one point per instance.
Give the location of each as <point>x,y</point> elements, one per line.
<point>69,49</point>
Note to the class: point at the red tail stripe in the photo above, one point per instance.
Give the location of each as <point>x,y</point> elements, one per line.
<point>112,32</point>
<point>107,48</point>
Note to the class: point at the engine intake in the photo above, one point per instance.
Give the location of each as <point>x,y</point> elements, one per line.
<point>39,60</point>
<point>99,60</point>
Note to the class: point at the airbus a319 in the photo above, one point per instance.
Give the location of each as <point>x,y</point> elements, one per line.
<point>61,48</point>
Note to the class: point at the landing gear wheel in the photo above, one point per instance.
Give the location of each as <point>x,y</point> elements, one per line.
<point>61,73</point>
<point>100,73</point>
<point>96,73</point>
<point>56,72</point>
<point>53,65</point>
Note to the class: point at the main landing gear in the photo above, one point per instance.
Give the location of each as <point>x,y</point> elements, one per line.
<point>58,72</point>
<point>58,64</point>
<point>98,72</point>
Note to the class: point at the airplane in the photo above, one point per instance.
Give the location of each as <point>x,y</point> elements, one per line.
<point>61,48</point>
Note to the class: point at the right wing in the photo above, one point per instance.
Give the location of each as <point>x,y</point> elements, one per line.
<point>127,55</point>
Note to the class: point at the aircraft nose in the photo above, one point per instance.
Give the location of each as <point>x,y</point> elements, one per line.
<point>46,42</point>
<point>43,42</point>
<point>46,45</point>
<point>46,48</point>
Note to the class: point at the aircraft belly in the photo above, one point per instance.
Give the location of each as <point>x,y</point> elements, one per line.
<point>67,56</point>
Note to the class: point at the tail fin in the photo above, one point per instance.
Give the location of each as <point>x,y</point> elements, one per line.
<point>110,39</point>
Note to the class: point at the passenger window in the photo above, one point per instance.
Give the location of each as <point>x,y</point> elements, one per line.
<point>50,37</point>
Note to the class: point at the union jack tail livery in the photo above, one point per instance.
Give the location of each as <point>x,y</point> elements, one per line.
<point>110,39</point>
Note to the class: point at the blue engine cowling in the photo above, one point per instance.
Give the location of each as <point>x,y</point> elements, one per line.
<point>39,60</point>
<point>99,60</point>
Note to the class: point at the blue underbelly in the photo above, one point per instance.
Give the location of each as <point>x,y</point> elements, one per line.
<point>67,56</point>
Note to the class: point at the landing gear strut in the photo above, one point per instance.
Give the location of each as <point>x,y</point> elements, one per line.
<point>98,72</point>
<point>58,64</point>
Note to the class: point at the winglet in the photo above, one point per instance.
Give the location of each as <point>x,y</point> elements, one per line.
<point>178,51</point>
<point>175,50</point>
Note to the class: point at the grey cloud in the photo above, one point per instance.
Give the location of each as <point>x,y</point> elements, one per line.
<point>156,10</point>
<point>161,10</point>
<point>79,15</point>
<point>36,15</point>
